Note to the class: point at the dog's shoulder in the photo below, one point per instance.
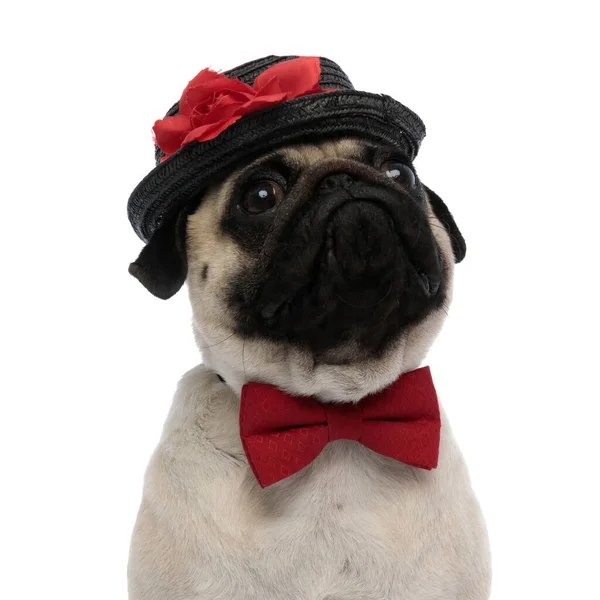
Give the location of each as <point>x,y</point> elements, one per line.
<point>200,398</point>
<point>188,482</point>
<point>196,392</point>
<point>199,436</point>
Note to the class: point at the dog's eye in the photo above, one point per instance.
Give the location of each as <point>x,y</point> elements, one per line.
<point>261,196</point>
<point>400,172</point>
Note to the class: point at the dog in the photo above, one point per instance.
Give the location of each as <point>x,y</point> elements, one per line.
<point>323,269</point>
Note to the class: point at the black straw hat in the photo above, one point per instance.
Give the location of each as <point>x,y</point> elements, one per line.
<point>335,110</point>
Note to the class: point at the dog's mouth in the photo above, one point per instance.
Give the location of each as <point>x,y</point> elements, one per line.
<point>362,245</point>
<point>349,267</point>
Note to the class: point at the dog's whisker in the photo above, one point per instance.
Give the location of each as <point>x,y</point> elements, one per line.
<point>217,343</point>
<point>445,308</point>
<point>369,305</point>
<point>444,229</point>
<point>436,225</point>
<point>243,361</point>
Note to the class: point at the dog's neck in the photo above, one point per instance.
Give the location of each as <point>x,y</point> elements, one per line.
<point>296,371</point>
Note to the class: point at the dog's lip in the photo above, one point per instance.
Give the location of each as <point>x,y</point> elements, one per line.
<point>430,283</point>
<point>270,310</point>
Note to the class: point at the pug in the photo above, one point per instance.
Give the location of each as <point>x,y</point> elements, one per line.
<point>323,270</point>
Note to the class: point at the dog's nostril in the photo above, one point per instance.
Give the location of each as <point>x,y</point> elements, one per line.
<point>337,180</point>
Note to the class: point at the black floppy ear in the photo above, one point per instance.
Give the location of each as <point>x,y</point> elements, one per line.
<point>161,266</point>
<point>459,246</point>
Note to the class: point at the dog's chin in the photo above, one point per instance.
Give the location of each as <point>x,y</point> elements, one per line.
<point>344,285</point>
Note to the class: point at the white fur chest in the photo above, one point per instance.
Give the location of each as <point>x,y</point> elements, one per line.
<point>352,526</point>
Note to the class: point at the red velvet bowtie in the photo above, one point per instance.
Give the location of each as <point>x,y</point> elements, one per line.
<point>282,434</point>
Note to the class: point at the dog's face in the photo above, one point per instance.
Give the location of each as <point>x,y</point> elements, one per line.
<point>330,256</point>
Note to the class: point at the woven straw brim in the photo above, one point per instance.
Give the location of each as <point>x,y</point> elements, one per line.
<point>181,178</point>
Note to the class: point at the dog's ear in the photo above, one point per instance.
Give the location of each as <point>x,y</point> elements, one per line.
<point>459,246</point>
<point>161,266</point>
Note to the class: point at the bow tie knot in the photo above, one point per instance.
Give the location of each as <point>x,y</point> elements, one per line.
<point>344,421</point>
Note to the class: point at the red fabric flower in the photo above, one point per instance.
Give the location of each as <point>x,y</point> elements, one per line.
<point>212,102</point>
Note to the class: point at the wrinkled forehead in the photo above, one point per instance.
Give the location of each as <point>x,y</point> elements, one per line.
<point>305,155</point>
<point>301,156</point>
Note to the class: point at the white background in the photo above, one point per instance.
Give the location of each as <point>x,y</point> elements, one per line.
<point>508,92</point>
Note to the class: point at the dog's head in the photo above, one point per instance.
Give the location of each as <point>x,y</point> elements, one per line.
<point>325,269</point>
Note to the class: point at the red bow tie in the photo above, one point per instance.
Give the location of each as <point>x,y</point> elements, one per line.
<point>282,434</point>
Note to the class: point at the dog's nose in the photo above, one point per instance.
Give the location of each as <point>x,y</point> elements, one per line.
<point>361,240</point>
<point>336,181</point>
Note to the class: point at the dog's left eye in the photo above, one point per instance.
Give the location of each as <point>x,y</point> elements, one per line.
<point>400,172</point>
<point>261,196</point>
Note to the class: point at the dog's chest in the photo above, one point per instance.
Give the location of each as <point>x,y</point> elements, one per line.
<point>353,525</point>
<point>335,530</point>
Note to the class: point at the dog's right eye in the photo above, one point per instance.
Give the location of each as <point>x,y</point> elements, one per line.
<point>261,196</point>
